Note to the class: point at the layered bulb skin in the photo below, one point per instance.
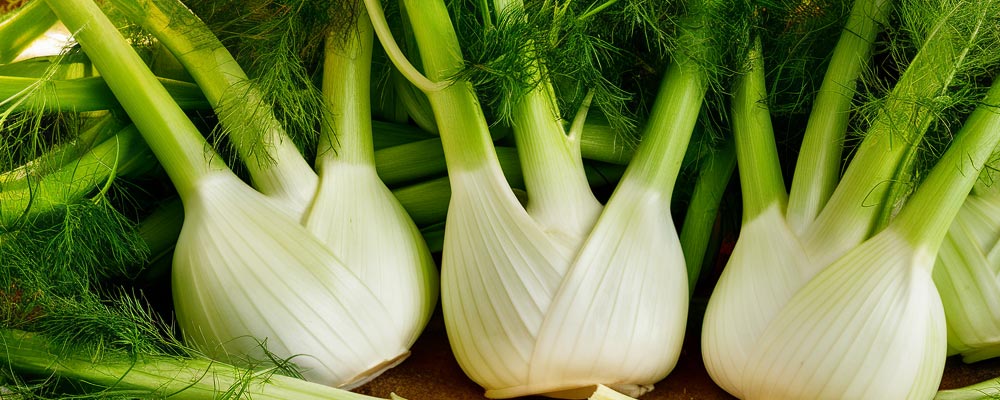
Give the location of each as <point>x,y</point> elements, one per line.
<point>869,326</point>
<point>362,222</point>
<point>247,277</point>
<point>966,277</point>
<point>528,314</point>
<point>762,274</point>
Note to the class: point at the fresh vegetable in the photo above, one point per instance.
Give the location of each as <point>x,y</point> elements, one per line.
<point>276,166</point>
<point>292,177</point>
<point>353,211</point>
<point>227,292</point>
<point>158,376</point>
<point>964,274</point>
<point>542,273</point>
<point>788,319</point>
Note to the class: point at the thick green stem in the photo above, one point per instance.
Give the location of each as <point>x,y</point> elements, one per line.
<point>927,215</point>
<point>883,161</point>
<point>551,161</point>
<point>818,167</point>
<point>556,182</point>
<point>410,162</point>
<point>61,155</point>
<point>275,164</point>
<point>407,158</point>
<point>347,137</point>
<point>22,27</point>
<point>703,209</point>
<point>465,134</point>
<point>158,376</point>
<point>176,142</point>
<point>668,131</point>
<point>601,143</point>
<point>77,178</point>
<point>760,170</point>
<point>82,94</point>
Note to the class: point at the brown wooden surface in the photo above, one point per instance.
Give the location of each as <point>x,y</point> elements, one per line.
<point>431,373</point>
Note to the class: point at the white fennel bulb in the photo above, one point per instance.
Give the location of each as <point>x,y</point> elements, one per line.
<point>353,212</point>
<point>247,277</point>
<point>870,326</point>
<point>357,218</point>
<point>791,243</point>
<point>561,334</point>
<point>633,256</point>
<point>250,280</point>
<point>732,327</point>
<point>559,295</point>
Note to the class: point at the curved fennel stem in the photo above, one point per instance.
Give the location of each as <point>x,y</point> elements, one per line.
<point>181,149</point>
<point>818,167</point>
<point>465,134</point>
<point>426,84</point>
<point>275,164</point>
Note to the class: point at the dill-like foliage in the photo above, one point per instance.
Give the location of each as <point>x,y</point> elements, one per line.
<point>279,44</point>
<point>934,68</point>
<point>798,37</point>
<point>26,129</point>
<point>571,50</point>
<point>114,322</point>
<point>71,249</point>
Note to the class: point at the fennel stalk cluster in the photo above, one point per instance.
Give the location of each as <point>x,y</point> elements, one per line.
<point>562,271</point>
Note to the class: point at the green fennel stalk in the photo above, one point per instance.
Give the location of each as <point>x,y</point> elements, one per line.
<point>250,235</point>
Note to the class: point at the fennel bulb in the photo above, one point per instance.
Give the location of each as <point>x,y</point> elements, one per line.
<point>731,329</point>
<point>966,278</point>
<point>559,295</point>
<point>247,274</point>
<point>353,212</point>
<point>561,335</point>
<point>870,326</point>
<point>792,240</point>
